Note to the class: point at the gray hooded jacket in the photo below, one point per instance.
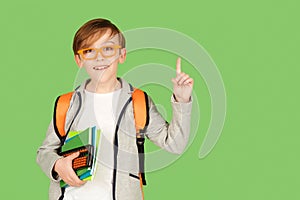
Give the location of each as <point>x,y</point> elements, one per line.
<point>171,137</point>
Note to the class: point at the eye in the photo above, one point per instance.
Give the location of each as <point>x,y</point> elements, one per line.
<point>86,51</point>
<point>108,48</point>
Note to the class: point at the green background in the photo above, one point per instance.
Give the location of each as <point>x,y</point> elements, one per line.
<point>255,45</point>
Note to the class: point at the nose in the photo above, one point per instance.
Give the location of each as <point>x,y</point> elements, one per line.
<point>99,56</point>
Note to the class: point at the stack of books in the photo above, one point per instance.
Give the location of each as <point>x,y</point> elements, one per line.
<point>86,142</point>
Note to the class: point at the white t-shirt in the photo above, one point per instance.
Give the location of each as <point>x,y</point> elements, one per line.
<point>98,110</point>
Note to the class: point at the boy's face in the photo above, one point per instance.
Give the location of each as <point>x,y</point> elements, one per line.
<point>101,59</point>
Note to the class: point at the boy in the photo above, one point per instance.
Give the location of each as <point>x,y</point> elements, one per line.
<point>101,101</point>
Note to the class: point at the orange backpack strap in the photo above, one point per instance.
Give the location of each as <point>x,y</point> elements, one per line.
<point>141,117</point>
<point>140,111</point>
<point>62,105</point>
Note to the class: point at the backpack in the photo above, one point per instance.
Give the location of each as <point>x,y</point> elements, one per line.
<point>141,118</point>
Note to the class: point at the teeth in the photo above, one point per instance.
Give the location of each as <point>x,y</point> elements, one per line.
<point>100,67</point>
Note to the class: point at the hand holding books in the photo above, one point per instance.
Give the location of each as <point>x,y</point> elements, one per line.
<point>79,162</point>
<point>63,167</point>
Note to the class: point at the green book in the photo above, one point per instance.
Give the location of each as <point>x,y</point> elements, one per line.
<point>80,139</point>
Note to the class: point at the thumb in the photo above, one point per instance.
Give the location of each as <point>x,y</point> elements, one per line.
<point>74,155</point>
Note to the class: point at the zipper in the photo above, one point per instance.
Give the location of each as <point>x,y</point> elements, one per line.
<point>116,143</point>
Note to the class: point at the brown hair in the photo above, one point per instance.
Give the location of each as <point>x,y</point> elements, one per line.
<point>92,31</point>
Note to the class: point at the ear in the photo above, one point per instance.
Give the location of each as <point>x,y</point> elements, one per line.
<point>122,56</point>
<point>78,61</point>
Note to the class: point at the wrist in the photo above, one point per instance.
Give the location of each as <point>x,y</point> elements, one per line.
<point>57,164</point>
<point>181,100</point>
<point>54,172</point>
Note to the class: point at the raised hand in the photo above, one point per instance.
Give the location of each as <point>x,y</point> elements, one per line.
<point>183,84</point>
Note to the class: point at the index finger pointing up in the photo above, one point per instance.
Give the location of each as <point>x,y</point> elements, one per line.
<point>178,65</point>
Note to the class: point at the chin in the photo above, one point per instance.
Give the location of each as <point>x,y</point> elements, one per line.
<point>104,78</point>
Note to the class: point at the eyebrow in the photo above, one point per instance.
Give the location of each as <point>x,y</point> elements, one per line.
<point>104,43</point>
<point>107,42</point>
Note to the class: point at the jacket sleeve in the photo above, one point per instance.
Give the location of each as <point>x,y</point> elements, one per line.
<point>173,136</point>
<point>47,153</point>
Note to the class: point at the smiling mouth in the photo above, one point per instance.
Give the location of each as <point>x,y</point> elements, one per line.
<point>102,67</point>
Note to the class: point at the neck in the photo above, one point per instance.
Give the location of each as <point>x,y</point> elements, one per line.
<point>103,87</point>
